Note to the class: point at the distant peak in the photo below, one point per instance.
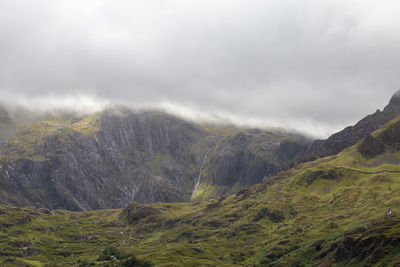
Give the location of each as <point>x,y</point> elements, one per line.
<point>396,95</point>
<point>395,100</point>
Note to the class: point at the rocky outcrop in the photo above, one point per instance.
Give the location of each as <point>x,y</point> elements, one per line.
<point>138,157</point>
<point>289,150</point>
<point>234,161</point>
<point>274,215</point>
<point>353,134</point>
<point>371,147</point>
<point>135,212</point>
<point>364,245</point>
<point>389,139</point>
<point>323,174</point>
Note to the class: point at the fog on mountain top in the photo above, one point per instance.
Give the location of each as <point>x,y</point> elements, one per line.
<point>314,66</point>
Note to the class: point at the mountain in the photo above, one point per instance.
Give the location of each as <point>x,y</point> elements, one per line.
<point>352,134</point>
<point>341,210</point>
<point>114,157</point>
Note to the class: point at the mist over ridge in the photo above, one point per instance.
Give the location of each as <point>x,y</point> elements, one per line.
<point>38,108</point>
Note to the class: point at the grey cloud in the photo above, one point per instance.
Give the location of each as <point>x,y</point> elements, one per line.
<point>310,65</point>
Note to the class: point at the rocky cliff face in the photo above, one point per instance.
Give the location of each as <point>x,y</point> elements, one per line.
<point>245,158</point>
<point>118,156</point>
<point>110,159</point>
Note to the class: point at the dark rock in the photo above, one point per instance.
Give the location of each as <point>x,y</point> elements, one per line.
<point>17,232</point>
<point>41,228</point>
<point>64,254</point>
<point>371,147</point>
<point>44,211</point>
<point>322,174</point>
<point>213,205</point>
<point>318,245</point>
<point>28,252</point>
<point>326,251</point>
<point>20,243</point>
<point>85,237</point>
<point>344,248</point>
<point>134,212</point>
<point>242,194</point>
<point>230,167</point>
<point>24,220</point>
<point>170,223</point>
<point>277,252</point>
<point>248,228</point>
<point>213,222</point>
<point>188,235</point>
<point>375,248</point>
<point>369,244</point>
<point>391,137</point>
<point>293,213</point>
<point>394,101</point>
<point>274,215</point>
<point>289,150</point>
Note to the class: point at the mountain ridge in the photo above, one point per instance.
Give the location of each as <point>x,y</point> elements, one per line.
<point>118,156</point>
<point>111,158</point>
<point>352,134</point>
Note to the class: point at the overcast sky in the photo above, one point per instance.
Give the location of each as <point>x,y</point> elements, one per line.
<point>311,65</point>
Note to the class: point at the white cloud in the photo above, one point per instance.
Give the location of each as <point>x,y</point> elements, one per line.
<point>311,65</point>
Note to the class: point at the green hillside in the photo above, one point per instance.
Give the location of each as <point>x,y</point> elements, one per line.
<point>337,211</point>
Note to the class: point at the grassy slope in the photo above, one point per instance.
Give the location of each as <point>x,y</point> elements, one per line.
<point>295,219</point>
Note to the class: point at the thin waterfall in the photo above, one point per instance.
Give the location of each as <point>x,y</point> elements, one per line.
<point>196,186</point>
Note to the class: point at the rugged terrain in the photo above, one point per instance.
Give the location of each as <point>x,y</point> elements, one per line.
<point>336,211</point>
<point>114,157</point>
